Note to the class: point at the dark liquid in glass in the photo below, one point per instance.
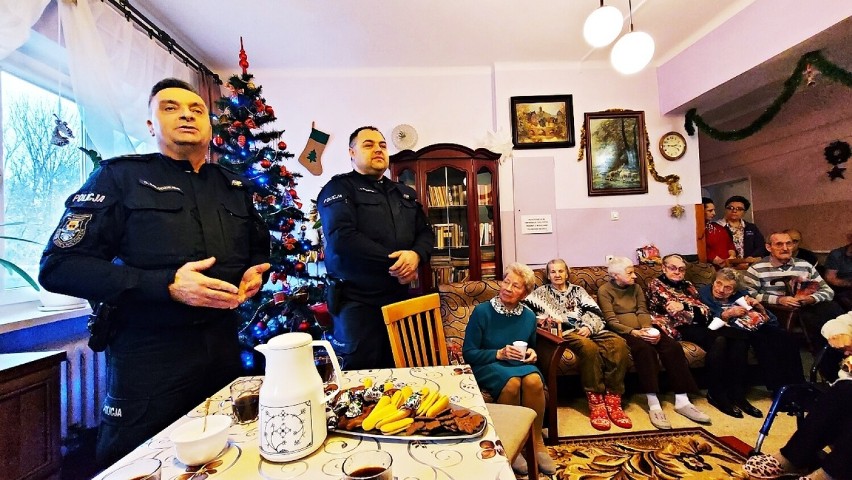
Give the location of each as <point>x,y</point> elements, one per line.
<point>325,368</point>
<point>245,408</point>
<point>369,472</point>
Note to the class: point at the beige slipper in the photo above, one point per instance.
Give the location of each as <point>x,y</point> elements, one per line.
<point>659,419</point>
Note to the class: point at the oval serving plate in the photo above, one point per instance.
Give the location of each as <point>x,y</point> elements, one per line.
<point>441,435</point>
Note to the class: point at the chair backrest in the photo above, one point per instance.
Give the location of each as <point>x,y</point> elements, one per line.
<point>416,332</point>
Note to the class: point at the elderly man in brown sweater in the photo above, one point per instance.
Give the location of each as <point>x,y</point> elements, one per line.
<point>625,312</point>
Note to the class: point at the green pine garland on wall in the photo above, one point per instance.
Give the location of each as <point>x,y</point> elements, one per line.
<point>814,59</point>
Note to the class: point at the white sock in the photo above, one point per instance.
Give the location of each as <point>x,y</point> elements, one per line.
<point>681,400</point>
<point>653,401</point>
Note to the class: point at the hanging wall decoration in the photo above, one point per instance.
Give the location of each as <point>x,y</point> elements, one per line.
<point>806,68</point>
<point>837,152</point>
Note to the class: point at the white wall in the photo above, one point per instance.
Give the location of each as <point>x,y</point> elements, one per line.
<point>460,105</point>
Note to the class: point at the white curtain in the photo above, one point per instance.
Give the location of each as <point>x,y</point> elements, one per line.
<point>16,19</point>
<point>113,67</point>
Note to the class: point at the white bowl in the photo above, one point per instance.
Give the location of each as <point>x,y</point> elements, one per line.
<point>194,447</point>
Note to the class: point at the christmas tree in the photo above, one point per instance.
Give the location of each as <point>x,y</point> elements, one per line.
<point>248,146</point>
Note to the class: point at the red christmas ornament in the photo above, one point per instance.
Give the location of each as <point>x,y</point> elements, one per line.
<point>284,171</point>
<point>282,146</point>
<point>269,111</point>
<point>218,141</point>
<point>265,163</point>
<point>303,327</point>
<point>243,58</point>
<point>293,193</point>
<point>274,277</point>
<point>241,140</point>
<point>261,325</point>
<point>299,266</point>
<point>250,123</point>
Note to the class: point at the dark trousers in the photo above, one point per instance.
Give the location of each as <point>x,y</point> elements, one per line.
<point>777,353</point>
<point>360,337</point>
<point>647,358</point>
<point>725,360</point>
<point>154,377</point>
<point>828,423</point>
<point>813,317</point>
<point>603,358</point>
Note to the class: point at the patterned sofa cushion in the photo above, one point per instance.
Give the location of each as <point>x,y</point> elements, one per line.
<point>459,299</point>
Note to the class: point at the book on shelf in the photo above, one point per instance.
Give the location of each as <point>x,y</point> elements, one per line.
<point>447,195</point>
<point>448,235</point>
<point>486,233</point>
<point>484,195</point>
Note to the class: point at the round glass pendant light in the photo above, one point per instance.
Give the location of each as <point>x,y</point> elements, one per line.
<point>602,26</point>
<point>632,52</point>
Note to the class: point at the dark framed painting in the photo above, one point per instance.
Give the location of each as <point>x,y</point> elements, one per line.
<point>616,153</point>
<point>543,121</point>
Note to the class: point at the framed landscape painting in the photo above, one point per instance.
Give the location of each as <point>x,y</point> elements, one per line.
<point>615,153</point>
<point>543,121</point>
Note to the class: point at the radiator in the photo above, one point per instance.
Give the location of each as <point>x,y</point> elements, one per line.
<point>83,387</point>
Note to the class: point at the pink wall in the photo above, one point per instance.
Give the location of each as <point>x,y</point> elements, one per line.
<point>757,33</point>
<point>786,164</point>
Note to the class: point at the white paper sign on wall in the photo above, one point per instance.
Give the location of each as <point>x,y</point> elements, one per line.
<point>534,224</point>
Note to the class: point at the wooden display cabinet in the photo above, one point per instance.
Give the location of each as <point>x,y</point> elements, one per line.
<point>458,188</point>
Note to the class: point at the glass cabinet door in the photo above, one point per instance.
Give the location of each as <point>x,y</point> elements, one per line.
<point>485,212</point>
<point>447,192</point>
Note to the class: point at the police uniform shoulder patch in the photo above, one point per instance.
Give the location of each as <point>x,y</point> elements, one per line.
<point>71,229</point>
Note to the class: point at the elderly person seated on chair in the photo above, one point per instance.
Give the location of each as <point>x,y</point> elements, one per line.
<point>827,423</point>
<point>603,356</point>
<point>744,321</point>
<point>838,273</point>
<point>625,312</point>
<point>506,371</point>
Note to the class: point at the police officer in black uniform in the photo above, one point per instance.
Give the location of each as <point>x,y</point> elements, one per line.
<point>376,236</point>
<point>174,244</point>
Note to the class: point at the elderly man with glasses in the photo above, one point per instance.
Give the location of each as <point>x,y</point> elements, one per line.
<point>781,279</point>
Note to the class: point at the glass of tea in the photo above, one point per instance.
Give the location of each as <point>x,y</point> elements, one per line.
<point>245,399</point>
<point>368,465</point>
<point>324,366</point>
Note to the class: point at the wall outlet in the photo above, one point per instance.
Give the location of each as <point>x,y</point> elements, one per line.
<point>613,215</point>
<point>608,259</point>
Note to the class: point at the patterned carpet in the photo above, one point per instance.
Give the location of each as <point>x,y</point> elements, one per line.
<point>675,454</point>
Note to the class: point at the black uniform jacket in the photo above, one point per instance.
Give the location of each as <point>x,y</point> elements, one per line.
<point>365,220</point>
<point>136,220</point>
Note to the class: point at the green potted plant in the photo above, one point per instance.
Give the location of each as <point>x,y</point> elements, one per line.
<point>10,266</point>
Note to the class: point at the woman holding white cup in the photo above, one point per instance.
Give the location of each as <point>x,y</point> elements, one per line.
<point>499,345</point>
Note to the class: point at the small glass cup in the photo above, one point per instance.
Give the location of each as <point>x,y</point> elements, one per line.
<point>368,465</point>
<point>245,399</point>
<point>142,469</point>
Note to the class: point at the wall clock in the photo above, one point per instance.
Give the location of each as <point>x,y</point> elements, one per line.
<point>672,146</point>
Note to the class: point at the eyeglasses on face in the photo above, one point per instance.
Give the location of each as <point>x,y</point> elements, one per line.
<point>673,268</point>
<point>735,209</point>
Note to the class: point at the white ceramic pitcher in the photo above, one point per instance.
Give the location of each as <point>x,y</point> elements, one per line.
<point>292,402</point>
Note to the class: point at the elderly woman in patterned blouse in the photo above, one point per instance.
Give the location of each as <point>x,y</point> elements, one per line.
<point>603,356</point>
<point>509,374</point>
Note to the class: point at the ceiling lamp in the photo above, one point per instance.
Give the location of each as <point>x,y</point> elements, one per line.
<point>632,52</point>
<point>602,26</point>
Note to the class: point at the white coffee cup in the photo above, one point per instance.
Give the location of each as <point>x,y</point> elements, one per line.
<point>652,332</point>
<point>743,303</point>
<point>521,346</point>
<point>716,324</point>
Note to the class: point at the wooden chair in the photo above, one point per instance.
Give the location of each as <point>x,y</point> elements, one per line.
<point>416,333</point>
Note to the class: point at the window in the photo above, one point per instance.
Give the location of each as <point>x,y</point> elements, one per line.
<point>37,174</point>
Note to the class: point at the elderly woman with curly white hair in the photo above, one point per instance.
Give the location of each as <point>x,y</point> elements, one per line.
<point>508,373</point>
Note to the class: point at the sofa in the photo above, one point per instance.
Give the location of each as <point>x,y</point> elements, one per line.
<point>554,359</point>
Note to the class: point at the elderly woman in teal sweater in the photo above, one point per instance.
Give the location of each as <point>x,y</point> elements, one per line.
<point>507,372</point>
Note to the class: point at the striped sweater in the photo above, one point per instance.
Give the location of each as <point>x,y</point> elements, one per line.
<point>768,283</point>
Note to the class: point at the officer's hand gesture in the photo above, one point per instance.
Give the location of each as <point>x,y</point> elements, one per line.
<point>252,281</point>
<point>405,265</point>
<point>198,290</point>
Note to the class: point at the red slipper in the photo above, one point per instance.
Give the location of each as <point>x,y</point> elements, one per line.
<point>613,409</point>
<point>597,412</point>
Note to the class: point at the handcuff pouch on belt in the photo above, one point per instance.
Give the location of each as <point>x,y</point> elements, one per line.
<point>101,326</point>
<point>334,295</point>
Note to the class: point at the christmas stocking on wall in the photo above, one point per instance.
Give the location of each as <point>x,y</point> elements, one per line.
<point>311,157</point>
